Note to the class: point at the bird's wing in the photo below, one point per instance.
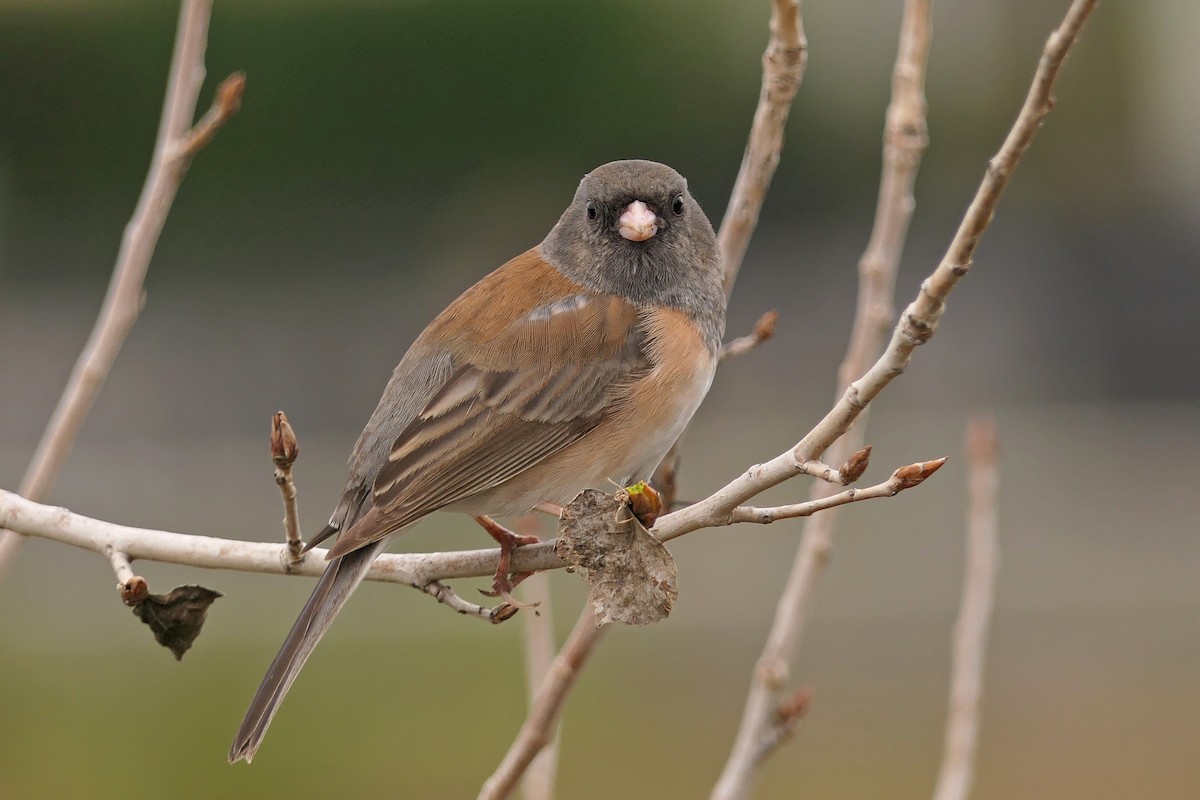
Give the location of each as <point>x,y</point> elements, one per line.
<point>543,376</point>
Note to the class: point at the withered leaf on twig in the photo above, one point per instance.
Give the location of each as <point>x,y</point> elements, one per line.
<point>176,617</point>
<point>630,575</point>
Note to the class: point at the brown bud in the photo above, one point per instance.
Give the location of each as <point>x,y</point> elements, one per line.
<point>645,503</point>
<point>765,327</point>
<point>230,91</point>
<point>134,590</point>
<point>503,612</point>
<point>794,706</point>
<point>856,465</point>
<point>284,447</point>
<point>914,474</point>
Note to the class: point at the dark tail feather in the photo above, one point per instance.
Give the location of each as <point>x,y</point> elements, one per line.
<point>333,589</point>
<point>325,533</point>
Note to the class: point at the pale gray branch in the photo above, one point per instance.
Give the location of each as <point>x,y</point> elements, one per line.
<point>447,596</point>
<point>174,149</point>
<point>975,612</point>
<point>540,726</point>
<point>784,61</point>
<point>916,326</point>
<point>901,479</point>
<point>538,630</point>
<point>121,566</point>
<point>412,569</point>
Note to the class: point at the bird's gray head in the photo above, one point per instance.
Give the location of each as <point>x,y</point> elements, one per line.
<point>634,230</point>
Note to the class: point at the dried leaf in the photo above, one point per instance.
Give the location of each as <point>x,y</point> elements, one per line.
<point>630,575</point>
<point>176,617</point>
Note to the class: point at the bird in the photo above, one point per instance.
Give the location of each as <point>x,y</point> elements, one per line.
<point>574,365</point>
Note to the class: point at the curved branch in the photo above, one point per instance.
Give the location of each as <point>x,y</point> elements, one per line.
<point>916,326</point>
<point>784,61</point>
<point>176,145</point>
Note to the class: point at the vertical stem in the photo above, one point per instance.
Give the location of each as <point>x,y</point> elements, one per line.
<point>904,142</point>
<point>124,299</point>
<point>975,611</point>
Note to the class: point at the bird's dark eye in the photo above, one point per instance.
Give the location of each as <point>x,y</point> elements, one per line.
<point>591,209</point>
<point>677,205</point>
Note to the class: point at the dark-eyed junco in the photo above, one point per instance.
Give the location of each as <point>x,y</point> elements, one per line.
<point>577,364</point>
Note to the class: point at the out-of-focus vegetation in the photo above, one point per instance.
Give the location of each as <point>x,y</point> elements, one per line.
<point>389,154</point>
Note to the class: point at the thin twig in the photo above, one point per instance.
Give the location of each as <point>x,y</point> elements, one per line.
<point>905,139</point>
<point>285,449</point>
<point>539,727</point>
<point>447,596</point>
<point>974,615</point>
<point>894,191</point>
<point>916,326</point>
<point>125,297</point>
<point>901,479</point>
<point>783,61</point>
<point>538,630</point>
<point>121,566</point>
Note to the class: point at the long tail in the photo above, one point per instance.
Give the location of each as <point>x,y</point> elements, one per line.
<point>340,579</point>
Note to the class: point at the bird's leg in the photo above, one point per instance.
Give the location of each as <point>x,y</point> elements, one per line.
<point>504,582</point>
<point>553,509</point>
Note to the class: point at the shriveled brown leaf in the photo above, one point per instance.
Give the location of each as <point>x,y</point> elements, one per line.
<point>630,575</point>
<point>176,617</point>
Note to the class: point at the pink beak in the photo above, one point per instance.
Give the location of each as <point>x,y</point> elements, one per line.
<point>637,222</point>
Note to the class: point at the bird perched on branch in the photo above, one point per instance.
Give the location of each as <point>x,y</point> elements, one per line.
<point>574,365</point>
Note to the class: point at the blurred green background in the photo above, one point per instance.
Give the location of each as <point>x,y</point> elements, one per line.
<point>387,155</point>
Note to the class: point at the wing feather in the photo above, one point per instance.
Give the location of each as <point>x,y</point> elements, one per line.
<point>499,414</point>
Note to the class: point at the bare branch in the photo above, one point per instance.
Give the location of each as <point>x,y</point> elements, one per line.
<point>783,70</point>
<point>284,452</point>
<point>539,778</point>
<point>121,566</point>
<point>904,140</point>
<point>132,588</point>
<point>124,299</point>
<point>970,632</point>
<point>412,569</point>
<point>445,595</point>
<point>226,102</point>
<point>539,727</point>
<point>916,326</point>
<point>903,478</point>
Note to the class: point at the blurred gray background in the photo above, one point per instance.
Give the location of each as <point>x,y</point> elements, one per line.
<point>389,154</point>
